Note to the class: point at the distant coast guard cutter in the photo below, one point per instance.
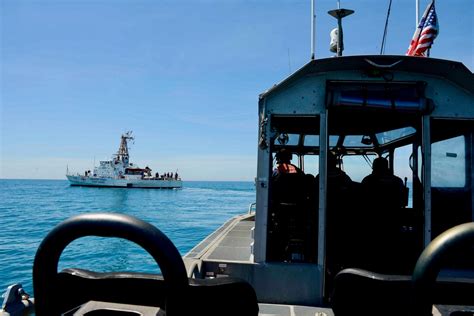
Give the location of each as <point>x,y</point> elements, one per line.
<point>120,172</point>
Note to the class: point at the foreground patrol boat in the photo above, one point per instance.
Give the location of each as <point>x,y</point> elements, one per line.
<point>312,247</point>
<point>312,244</point>
<point>307,247</point>
<point>121,173</point>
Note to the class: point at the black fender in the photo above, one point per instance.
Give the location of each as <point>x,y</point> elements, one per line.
<point>150,238</point>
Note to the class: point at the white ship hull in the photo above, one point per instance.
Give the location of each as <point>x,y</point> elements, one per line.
<point>124,183</point>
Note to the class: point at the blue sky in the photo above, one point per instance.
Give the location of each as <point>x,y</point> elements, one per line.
<point>184,76</point>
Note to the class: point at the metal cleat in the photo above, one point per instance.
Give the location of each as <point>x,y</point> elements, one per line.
<point>16,301</point>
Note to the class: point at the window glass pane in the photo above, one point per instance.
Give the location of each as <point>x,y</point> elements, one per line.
<point>355,141</point>
<point>420,160</point>
<point>356,167</point>
<point>333,140</point>
<point>401,162</point>
<point>287,139</point>
<point>311,140</point>
<point>448,163</point>
<point>401,166</point>
<point>311,164</point>
<point>390,136</point>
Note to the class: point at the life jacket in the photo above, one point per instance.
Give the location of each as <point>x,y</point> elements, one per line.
<point>287,168</point>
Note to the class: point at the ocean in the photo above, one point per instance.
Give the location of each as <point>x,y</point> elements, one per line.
<point>29,209</point>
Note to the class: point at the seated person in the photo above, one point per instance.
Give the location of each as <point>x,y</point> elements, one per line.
<point>383,218</point>
<point>383,186</point>
<point>336,177</point>
<point>284,165</point>
<point>340,203</point>
<point>288,211</point>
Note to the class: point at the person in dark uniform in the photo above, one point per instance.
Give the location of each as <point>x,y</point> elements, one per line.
<point>341,194</point>
<point>337,178</point>
<point>383,186</point>
<point>386,198</point>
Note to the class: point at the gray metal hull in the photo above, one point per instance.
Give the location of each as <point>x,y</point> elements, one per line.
<point>124,183</point>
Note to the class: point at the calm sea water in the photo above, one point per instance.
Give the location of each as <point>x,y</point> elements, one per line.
<point>29,209</point>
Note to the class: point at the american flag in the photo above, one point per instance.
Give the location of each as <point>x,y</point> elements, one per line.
<point>425,33</point>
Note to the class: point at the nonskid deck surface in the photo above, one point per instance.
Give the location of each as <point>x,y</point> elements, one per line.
<point>231,242</point>
<point>264,309</point>
<point>236,244</point>
<point>292,310</point>
<point>296,310</point>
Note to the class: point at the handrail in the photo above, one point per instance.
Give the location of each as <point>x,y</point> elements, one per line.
<point>380,65</point>
<point>252,207</point>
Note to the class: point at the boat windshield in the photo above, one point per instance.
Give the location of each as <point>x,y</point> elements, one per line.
<point>394,135</point>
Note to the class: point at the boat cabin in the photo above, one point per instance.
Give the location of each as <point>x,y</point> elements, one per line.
<point>339,120</point>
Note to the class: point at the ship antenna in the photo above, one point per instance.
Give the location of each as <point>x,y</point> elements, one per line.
<point>122,154</point>
<point>384,38</point>
<point>313,33</point>
<point>339,14</point>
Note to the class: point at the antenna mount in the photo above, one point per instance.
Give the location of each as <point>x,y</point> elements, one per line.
<point>339,14</point>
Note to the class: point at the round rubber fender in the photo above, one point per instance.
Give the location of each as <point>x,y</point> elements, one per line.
<point>430,262</point>
<point>123,226</point>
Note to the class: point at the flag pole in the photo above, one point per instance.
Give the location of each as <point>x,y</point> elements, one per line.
<point>429,49</point>
<point>417,17</point>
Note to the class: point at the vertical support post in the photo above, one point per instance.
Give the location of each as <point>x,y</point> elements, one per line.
<point>339,37</point>
<point>426,167</point>
<point>263,180</point>
<point>415,194</point>
<point>470,158</point>
<point>323,153</point>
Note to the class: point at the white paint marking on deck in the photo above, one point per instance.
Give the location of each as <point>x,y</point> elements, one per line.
<point>292,310</point>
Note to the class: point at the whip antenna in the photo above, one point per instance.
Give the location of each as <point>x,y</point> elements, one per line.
<point>313,33</point>
<point>384,38</point>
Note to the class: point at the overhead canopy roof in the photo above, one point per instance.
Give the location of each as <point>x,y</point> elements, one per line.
<point>451,70</point>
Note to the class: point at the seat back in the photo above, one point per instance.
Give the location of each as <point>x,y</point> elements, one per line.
<point>222,296</point>
<point>361,292</point>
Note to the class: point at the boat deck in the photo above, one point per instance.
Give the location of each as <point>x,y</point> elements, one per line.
<point>293,310</point>
<point>232,242</point>
<point>264,309</point>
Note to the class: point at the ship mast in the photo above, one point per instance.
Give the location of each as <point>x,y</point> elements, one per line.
<point>122,154</point>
